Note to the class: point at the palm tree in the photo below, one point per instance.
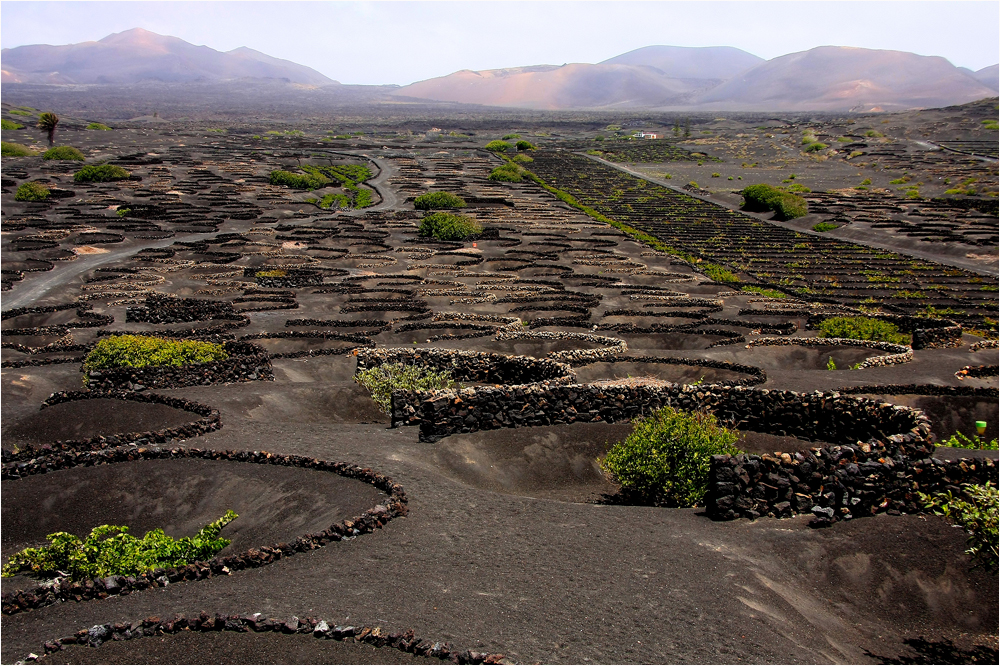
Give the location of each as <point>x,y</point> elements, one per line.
<point>47,123</point>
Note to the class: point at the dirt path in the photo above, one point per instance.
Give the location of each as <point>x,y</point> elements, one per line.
<point>36,286</point>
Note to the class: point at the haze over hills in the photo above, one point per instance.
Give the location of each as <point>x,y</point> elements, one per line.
<point>680,62</point>
<point>828,78</point>
<point>835,78</point>
<point>139,55</point>
<point>571,86</point>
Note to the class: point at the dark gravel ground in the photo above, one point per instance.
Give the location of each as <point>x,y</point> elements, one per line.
<point>555,581</point>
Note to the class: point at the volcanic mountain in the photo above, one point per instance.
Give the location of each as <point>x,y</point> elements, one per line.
<point>680,62</point>
<point>830,78</point>
<point>139,55</point>
<point>840,78</point>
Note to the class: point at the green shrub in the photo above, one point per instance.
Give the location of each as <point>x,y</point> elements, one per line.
<point>830,365</point>
<point>21,112</point>
<point>873,134</point>
<point>718,273</point>
<point>815,147</point>
<point>769,293</point>
<point>498,146</point>
<point>862,328</point>
<point>438,201</point>
<point>511,137</point>
<point>100,173</point>
<point>10,125</point>
<point>507,173</point>
<point>98,126</point>
<point>31,192</point>
<point>140,351</point>
<point>448,227</point>
<point>298,181</point>
<point>960,441</point>
<point>524,145</point>
<point>665,459</point>
<point>9,149</point>
<point>63,153</point>
<point>824,226</point>
<point>363,199</point>
<point>977,512</point>
<point>382,380</point>
<point>521,159</point>
<point>991,125</point>
<point>798,188</point>
<point>761,198</point>
<point>110,550</point>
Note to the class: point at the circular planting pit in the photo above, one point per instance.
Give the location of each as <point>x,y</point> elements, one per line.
<point>950,414</point>
<point>679,340</point>
<point>275,504</point>
<point>549,462</point>
<point>305,346</point>
<point>679,371</point>
<point>180,491</point>
<point>813,358</point>
<point>84,419</point>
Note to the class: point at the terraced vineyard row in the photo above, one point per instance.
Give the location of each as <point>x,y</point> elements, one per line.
<point>814,267</point>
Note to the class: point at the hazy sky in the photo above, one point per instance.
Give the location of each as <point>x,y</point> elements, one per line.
<point>402,42</point>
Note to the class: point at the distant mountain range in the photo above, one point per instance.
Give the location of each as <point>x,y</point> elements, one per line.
<point>139,55</point>
<point>826,78</point>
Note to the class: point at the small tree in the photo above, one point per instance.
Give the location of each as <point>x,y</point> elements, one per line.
<point>47,123</point>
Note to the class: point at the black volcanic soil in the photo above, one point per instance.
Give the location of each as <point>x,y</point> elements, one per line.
<point>503,549</point>
<point>181,496</point>
<point>83,419</point>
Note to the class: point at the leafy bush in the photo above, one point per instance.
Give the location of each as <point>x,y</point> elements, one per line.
<point>98,126</point>
<point>140,351</point>
<point>665,459</point>
<point>100,173</point>
<point>824,226</point>
<point>718,273</point>
<point>830,365</point>
<point>438,201</point>
<point>761,198</point>
<point>382,380</point>
<point>448,227</point>
<point>507,173</point>
<point>991,124</point>
<point>769,293</point>
<point>63,153</point>
<point>522,159</point>
<point>977,512</point>
<point>21,112</point>
<point>524,145</point>
<point>110,550</point>
<point>31,192</point>
<point>9,149</point>
<point>816,146</point>
<point>298,181</point>
<point>498,146</point>
<point>960,441</point>
<point>10,125</point>
<point>862,328</point>
<point>511,137</point>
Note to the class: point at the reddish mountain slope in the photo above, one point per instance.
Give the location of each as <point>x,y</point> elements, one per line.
<point>837,78</point>
<point>139,55</point>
